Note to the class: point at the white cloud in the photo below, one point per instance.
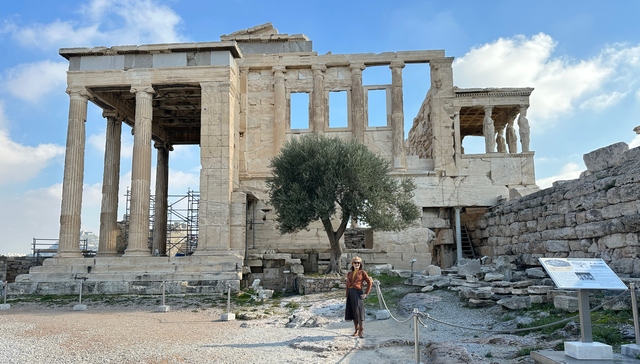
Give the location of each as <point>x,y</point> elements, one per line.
<point>569,171</point>
<point>4,123</point>
<point>603,101</point>
<point>106,22</point>
<point>91,202</point>
<point>31,81</point>
<point>50,36</point>
<point>20,163</point>
<point>528,62</point>
<point>98,141</point>
<point>35,214</point>
<point>635,142</point>
<point>180,181</point>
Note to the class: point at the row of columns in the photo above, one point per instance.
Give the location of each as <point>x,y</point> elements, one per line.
<point>68,245</point>
<point>357,102</point>
<point>496,138</point>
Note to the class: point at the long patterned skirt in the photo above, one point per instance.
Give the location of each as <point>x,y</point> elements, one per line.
<point>354,309</point>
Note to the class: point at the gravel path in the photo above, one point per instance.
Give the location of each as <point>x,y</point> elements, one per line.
<point>313,333</point>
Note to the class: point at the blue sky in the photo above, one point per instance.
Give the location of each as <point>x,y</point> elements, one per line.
<point>582,57</point>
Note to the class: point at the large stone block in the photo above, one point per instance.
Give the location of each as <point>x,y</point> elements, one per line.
<point>566,303</point>
<point>606,157</point>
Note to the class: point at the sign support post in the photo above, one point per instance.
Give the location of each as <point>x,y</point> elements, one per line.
<point>583,275</point>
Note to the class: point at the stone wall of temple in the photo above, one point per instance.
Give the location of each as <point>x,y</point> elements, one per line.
<point>595,216</point>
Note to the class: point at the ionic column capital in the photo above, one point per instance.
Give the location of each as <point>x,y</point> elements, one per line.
<point>163,145</point>
<point>397,64</point>
<point>112,114</point>
<point>357,67</point>
<point>318,69</point>
<point>79,92</point>
<point>142,88</point>
<point>279,68</point>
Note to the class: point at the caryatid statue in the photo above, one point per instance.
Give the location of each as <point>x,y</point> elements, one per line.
<point>512,139</point>
<point>488,130</point>
<point>523,126</point>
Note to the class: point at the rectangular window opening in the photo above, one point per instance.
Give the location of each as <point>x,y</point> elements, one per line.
<point>338,109</point>
<point>299,110</point>
<point>377,108</point>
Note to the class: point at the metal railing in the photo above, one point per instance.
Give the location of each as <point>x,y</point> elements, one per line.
<point>43,248</point>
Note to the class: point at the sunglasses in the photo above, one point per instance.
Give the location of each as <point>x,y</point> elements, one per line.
<point>356,263</point>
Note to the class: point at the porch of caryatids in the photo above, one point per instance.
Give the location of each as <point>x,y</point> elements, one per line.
<point>159,236</point>
<point>524,129</point>
<point>357,102</point>
<point>319,102</point>
<point>397,116</point>
<point>138,244</point>
<point>218,175</point>
<point>71,208</point>
<point>110,184</point>
<point>280,117</point>
<point>488,130</point>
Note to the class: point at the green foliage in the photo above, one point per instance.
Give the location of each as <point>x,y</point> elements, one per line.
<point>605,324</point>
<point>393,289</point>
<point>527,351</point>
<point>292,305</point>
<point>314,175</point>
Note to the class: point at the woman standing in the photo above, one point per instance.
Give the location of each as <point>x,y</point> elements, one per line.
<point>354,309</point>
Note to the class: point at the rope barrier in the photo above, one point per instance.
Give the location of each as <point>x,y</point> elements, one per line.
<point>513,331</point>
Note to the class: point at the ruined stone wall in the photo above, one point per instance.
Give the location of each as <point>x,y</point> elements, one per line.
<point>10,267</point>
<point>3,268</point>
<point>595,216</point>
<point>421,134</point>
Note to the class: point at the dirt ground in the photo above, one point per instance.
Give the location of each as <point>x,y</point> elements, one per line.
<point>296,329</point>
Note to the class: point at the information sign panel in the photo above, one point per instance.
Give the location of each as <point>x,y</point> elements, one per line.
<point>575,273</point>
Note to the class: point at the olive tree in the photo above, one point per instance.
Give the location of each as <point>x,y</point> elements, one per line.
<point>328,179</point>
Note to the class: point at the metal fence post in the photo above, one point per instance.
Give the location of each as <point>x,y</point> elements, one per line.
<point>416,335</point>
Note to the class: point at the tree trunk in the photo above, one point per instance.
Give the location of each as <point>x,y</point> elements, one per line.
<point>334,242</point>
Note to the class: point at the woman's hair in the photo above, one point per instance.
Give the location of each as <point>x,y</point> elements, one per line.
<point>356,259</point>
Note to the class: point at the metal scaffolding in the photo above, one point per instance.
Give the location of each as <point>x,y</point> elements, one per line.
<point>182,222</point>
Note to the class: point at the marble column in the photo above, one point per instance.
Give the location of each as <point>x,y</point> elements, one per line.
<point>523,127</point>
<point>357,102</point>
<point>397,116</point>
<point>110,185</point>
<point>488,130</point>
<point>280,117</point>
<point>141,173</point>
<point>319,104</point>
<point>159,240</point>
<point>69,238</point>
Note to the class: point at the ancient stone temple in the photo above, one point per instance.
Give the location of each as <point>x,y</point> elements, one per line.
<point>233,98</point>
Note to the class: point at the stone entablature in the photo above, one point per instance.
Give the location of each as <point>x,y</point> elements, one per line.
<point>595,216</point>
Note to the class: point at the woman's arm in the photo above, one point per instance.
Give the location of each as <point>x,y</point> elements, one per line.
<point>369,282</point>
